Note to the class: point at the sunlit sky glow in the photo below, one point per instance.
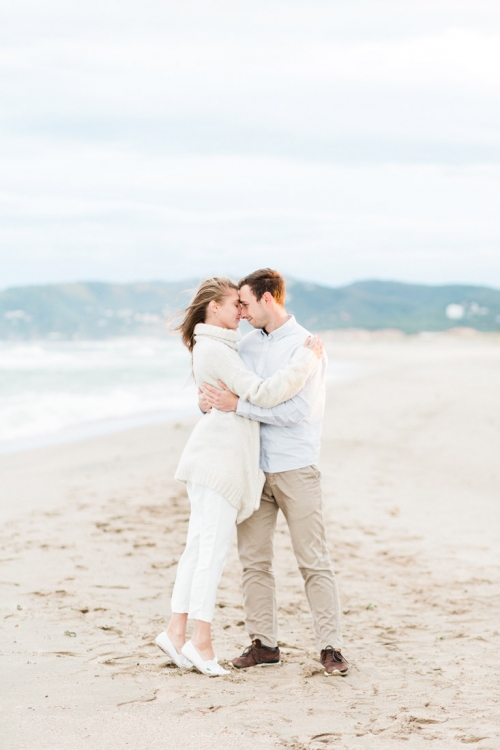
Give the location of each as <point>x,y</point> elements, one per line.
<point>335,141</point>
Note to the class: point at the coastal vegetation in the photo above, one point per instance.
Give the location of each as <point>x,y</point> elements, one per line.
<point>97,310</point>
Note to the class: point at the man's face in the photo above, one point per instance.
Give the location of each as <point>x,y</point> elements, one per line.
<point>252,309</point>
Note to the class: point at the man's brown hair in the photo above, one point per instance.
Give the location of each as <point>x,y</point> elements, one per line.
<point>266,280</point>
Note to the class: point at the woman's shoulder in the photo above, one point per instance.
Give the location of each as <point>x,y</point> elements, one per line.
<point>206,346</point>
<point>216,360</point>
<point>212,350</point>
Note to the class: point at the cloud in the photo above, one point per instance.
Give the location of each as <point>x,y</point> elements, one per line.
<point>164,217</point>
<point>341,141</point>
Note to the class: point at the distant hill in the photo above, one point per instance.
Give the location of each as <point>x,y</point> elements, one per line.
<point>374,305</point>
<point>100,310</point>
<point>92,310</point>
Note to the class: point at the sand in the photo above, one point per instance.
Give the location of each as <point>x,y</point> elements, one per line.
<point>92,532</point>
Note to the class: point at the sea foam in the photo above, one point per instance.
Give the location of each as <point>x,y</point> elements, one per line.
<point>49,388</point>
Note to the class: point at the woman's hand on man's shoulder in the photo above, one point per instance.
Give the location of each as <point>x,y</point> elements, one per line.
<point>315,345</point>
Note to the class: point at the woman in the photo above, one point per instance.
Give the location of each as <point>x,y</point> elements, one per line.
<point>220,464</point>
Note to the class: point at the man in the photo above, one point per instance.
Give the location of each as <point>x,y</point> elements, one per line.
<point>290,443</point>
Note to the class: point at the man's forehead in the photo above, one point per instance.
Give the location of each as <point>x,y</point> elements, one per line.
<point>246,294</point>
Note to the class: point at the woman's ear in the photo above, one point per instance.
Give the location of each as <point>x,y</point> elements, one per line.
<point>212,306</point>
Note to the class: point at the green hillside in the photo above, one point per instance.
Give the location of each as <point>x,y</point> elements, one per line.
<point>89,310</point>
<point>388,304</point>
<point>100,310</point>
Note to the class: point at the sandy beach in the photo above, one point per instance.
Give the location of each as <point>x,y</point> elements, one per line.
<point>92,531</point>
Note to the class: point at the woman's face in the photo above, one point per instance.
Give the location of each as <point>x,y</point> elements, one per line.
<point>229,310</point>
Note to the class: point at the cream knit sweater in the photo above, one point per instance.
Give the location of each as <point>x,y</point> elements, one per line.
<point>222,452</point>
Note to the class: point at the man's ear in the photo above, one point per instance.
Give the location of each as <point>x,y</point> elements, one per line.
<point>268,298</point>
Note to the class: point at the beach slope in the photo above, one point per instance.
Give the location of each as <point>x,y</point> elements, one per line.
<point>93,531</point>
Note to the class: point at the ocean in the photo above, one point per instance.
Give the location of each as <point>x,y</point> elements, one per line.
<point>53,392</point>
<point>57,391</point>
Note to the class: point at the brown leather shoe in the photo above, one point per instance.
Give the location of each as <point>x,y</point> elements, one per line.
<point>333,662</point>
<point>257,655</point>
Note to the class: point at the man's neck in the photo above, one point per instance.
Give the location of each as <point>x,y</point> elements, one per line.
<point>277,320</point>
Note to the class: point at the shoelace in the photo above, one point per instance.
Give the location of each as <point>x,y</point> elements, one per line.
<point>335,653</point>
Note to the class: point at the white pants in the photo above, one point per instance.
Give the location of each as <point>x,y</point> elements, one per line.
<point>210,530</point>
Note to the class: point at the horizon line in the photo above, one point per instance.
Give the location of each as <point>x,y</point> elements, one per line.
<point>288,278</point>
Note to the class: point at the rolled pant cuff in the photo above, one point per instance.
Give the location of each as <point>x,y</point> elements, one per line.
<point>269,642</point>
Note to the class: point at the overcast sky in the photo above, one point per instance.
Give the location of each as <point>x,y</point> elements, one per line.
<point>335,141</point>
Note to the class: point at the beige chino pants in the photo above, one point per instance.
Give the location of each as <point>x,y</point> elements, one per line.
<point>298,494</point>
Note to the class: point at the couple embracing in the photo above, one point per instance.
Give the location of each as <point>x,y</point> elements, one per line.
<point>253,453</point>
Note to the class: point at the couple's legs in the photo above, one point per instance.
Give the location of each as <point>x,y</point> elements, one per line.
<point>298,494</point>
<point>200,567</point>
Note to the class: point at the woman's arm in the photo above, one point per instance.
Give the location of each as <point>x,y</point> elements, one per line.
<point>281,386</point>
<point>287,414</point>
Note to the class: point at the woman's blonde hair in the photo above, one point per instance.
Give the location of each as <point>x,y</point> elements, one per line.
<point>214,289</point>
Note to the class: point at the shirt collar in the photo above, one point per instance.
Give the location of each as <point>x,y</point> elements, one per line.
<point>283,330</point>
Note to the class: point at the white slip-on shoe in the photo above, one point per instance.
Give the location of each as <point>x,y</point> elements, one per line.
<point>166,645</point>
<point>211,667</point>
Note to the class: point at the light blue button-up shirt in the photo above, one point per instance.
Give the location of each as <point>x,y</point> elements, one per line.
<point>290,433</point>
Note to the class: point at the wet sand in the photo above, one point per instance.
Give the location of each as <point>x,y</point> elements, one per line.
<point>411,479</point>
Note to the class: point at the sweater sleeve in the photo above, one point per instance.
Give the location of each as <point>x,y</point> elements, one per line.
<point>281,386</point>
